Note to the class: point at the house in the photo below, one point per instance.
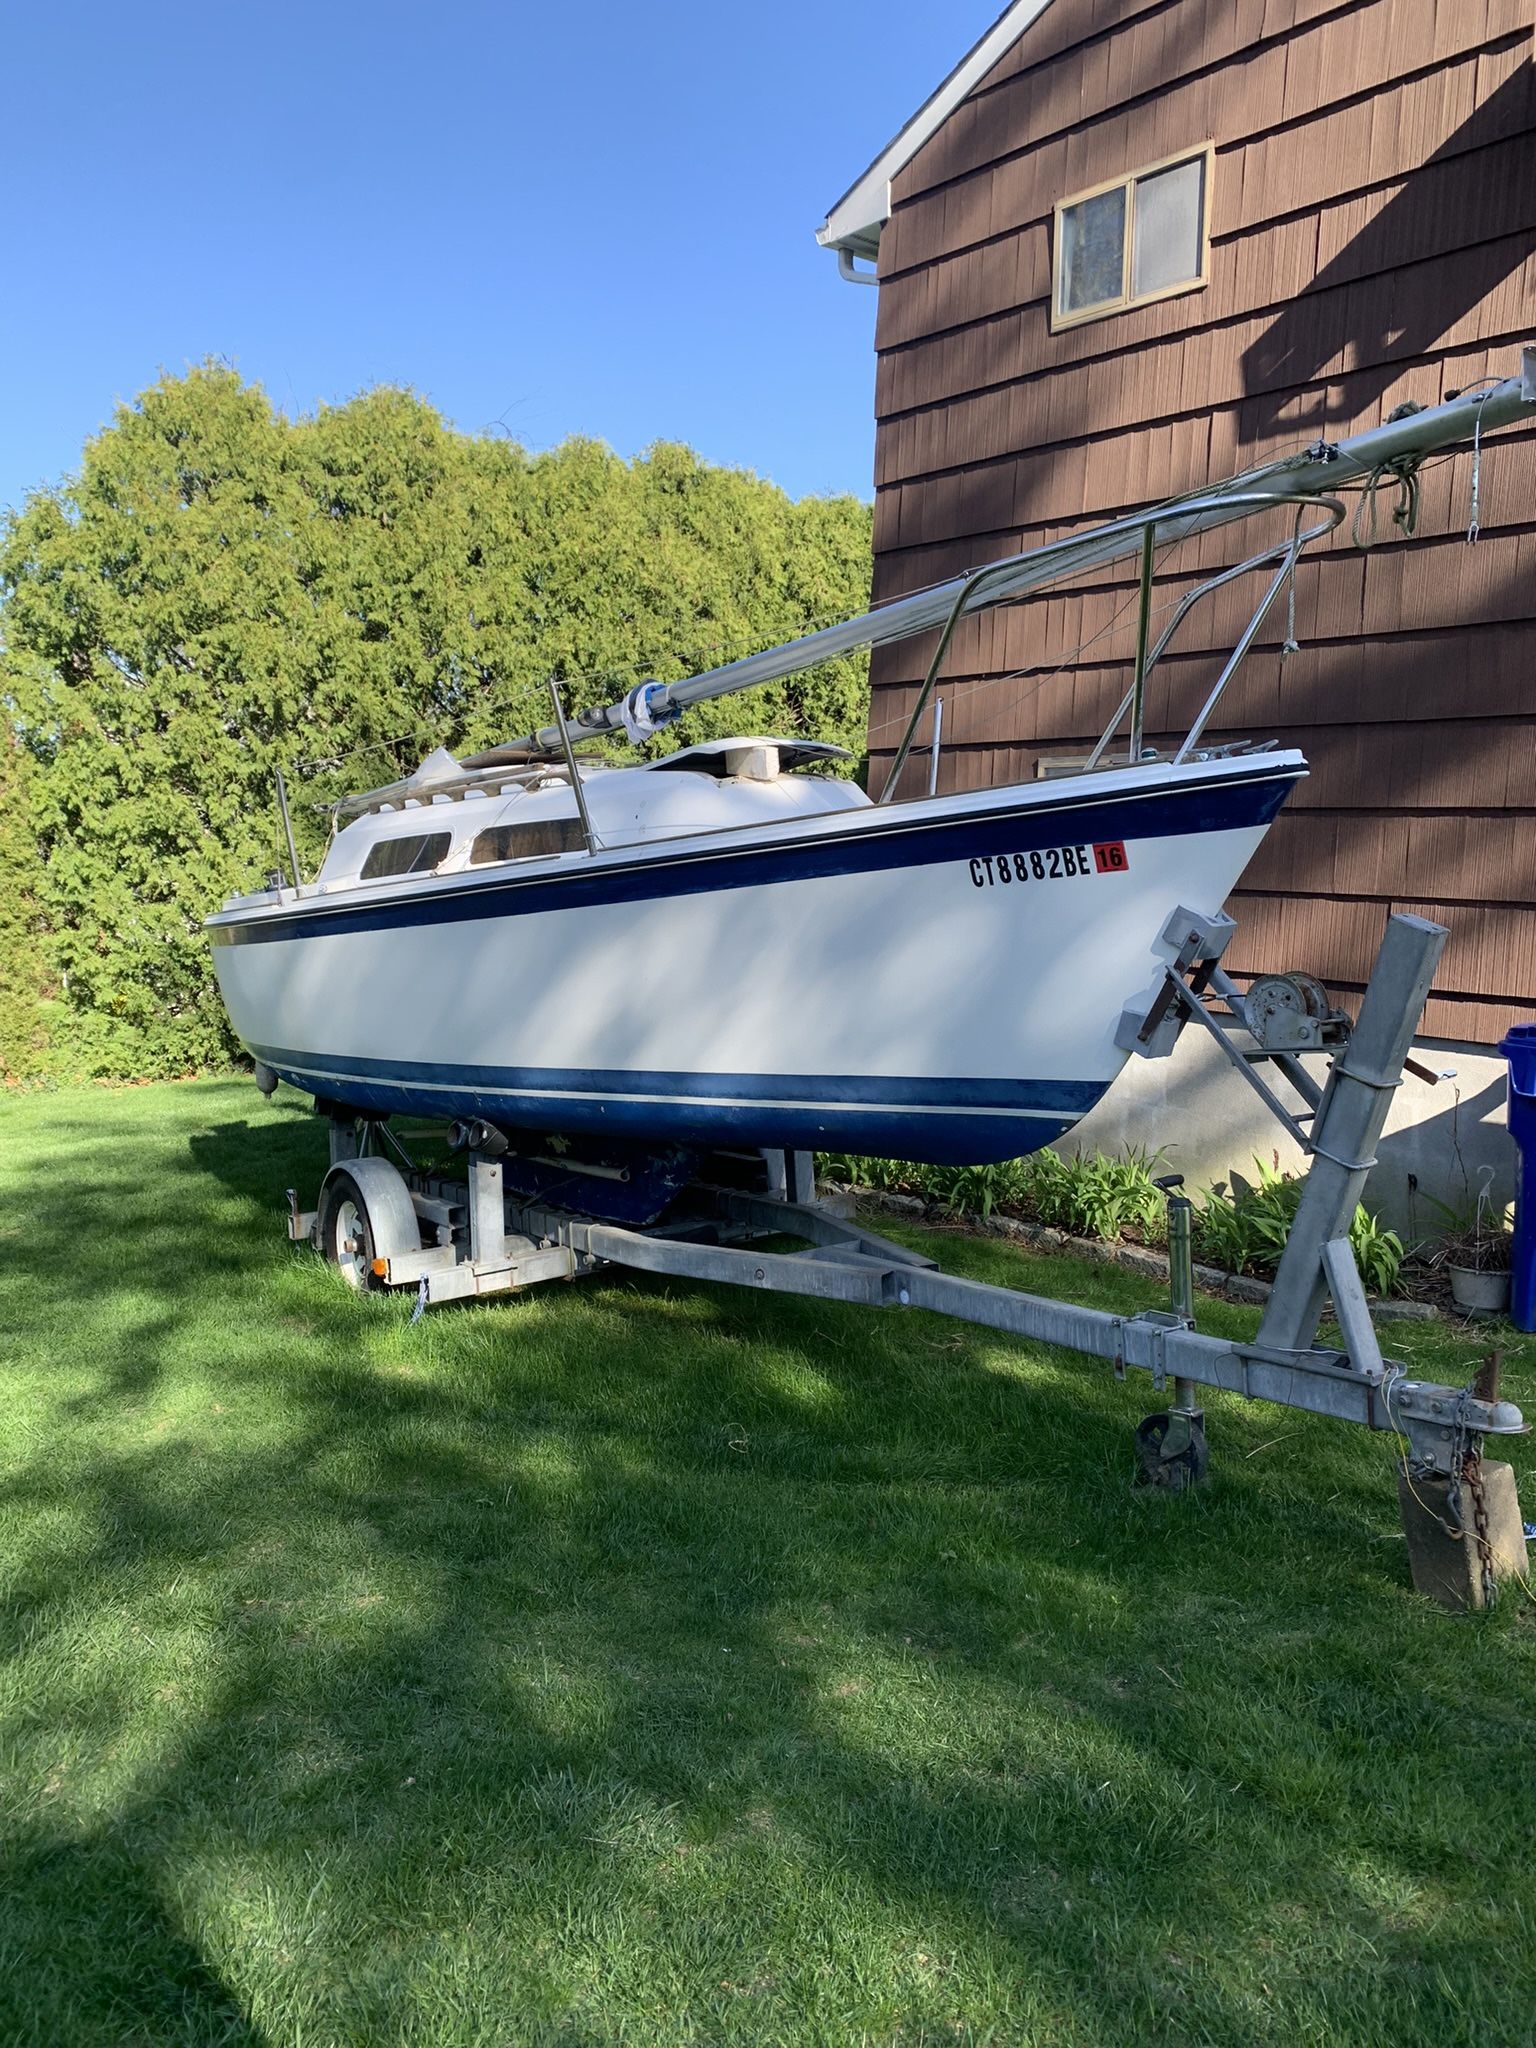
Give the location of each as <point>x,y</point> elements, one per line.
<point>1129,247</point>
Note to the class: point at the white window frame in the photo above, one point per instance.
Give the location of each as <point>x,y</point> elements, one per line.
<point>1201,152</point>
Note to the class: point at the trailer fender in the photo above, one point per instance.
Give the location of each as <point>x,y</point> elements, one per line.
<point>365,1216</point>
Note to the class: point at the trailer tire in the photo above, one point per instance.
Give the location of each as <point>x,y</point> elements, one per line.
<point>366,1218</point>
<point>1179,1471</point>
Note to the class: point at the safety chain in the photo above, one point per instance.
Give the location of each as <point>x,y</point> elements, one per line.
<point>1472,1470</point>
<point>1467,1470</point>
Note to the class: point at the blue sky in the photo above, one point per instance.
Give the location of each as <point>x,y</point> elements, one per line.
<point>593,220</point>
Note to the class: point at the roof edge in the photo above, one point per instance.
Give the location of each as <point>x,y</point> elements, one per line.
<point>854,223</point>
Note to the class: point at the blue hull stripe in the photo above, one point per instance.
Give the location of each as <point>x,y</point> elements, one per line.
<point>665,869</point>
<point>957,1122</point>
<point>882,1091</point>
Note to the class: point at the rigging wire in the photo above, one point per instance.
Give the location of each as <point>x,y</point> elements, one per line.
<point>1072,655</point>
<point>979,683</point>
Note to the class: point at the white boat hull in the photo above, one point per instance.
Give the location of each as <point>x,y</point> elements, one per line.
<point>938,980</point>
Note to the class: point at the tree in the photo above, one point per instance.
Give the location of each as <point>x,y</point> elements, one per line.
<point>222,591</point>
<point>23,975</point>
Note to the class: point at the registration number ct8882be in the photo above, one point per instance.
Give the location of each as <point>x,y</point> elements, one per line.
<point>1049,864</point>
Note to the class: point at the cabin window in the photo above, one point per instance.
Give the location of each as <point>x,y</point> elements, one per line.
<point>405,856</point>
<point>1136,239</point>
<point>527,841</point>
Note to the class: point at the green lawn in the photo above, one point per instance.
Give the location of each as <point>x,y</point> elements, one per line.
<point>660,1664</point>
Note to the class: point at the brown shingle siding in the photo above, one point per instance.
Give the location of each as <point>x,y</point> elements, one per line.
<point>1373,240</point>
<point>1507,500</point>
<point>1384,853</point>
<point>1450,677</point>
<point>1054,478</point>
<point>1400,315</point>
<point>1060,129</point>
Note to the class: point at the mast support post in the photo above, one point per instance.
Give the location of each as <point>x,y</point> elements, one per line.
<point>1143,631</point>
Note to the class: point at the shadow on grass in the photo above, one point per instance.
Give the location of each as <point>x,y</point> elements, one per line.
<point>685,1664</point>
<point>96,1945</point>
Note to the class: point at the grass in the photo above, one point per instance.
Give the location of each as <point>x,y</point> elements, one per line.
<point>663,1664</point>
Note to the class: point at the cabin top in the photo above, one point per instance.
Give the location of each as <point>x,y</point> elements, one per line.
<point>442,779</point>
<point>443,821</point>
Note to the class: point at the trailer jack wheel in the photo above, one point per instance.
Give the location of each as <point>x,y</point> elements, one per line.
<point>1171,1450</point>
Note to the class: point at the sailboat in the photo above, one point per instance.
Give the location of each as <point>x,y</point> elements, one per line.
<point>730,947</point>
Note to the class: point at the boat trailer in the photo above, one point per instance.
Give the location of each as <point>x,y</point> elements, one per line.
<point>395,1226</point>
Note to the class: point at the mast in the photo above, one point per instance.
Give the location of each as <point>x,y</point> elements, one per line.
<point>1295,479</point>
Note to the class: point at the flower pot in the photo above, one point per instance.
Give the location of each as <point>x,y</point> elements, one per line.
<point>1482,1293</point>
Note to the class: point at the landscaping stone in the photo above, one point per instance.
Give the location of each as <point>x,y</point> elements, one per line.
<point>1241,1288</point>
<point>1001,1226</point>
<point>1042,1235</point>
<point>893,1205</point>
<point>1092,1248</point>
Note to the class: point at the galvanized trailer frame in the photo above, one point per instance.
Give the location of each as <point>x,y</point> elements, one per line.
<point>488,1243</point>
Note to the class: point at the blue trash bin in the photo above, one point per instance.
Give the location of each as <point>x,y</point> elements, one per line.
<point>1519,1048</point>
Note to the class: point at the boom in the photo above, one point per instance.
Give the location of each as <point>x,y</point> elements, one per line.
<point>1294,479</point>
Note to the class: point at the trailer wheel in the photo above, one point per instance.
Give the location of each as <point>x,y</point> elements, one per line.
<point>346,1235</point>
<point>366,1217</point>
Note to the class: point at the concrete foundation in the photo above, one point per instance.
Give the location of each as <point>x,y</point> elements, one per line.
<point>1204,1120</point>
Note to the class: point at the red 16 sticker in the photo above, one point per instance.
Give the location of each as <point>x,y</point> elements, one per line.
<point>1109,857</point>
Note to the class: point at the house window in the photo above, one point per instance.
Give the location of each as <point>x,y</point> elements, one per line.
<point>412,856</point>
<point>1139,238</point>
<point>527,842</point>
